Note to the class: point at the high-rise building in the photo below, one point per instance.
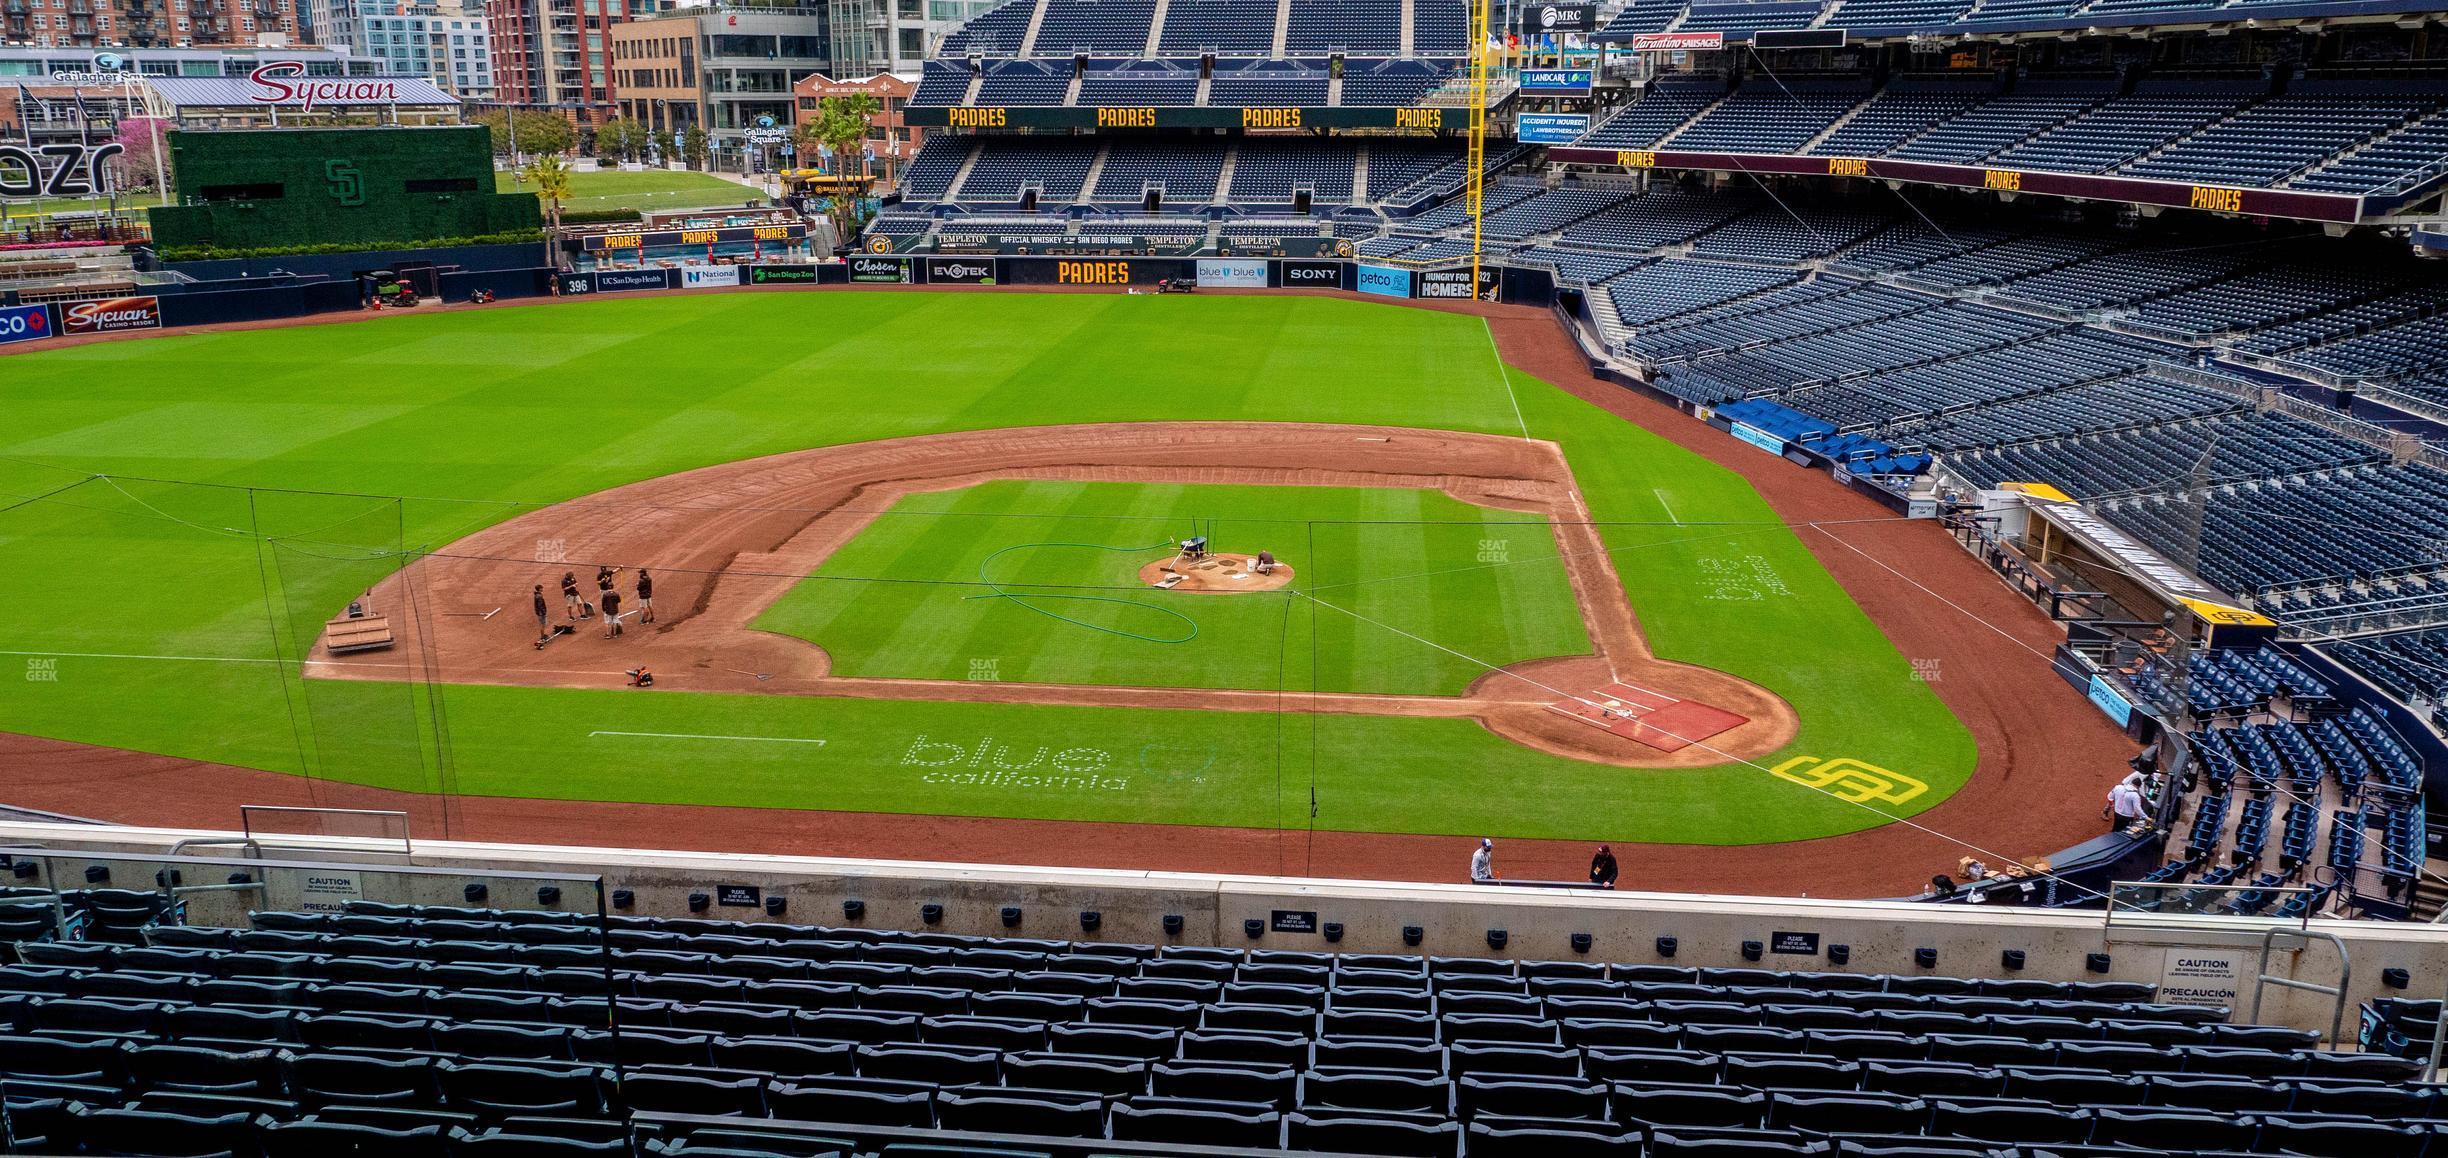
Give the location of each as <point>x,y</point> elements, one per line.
<point>555,54</point>
<point>726,70</point>
<point>447,42</point>
<point>94,24</point>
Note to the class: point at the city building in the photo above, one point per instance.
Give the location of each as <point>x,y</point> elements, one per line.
<point>447,43</point>
<point>872,36</point>
<point>99,24</point>
<point>555,54</point>
<point>889,137</point>
<point>730,71</point>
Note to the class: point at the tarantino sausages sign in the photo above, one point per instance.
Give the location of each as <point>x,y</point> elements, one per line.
<point>103,317</point>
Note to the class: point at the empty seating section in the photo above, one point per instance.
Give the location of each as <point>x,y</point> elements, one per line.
<point>1787,232</point>
<point>2115,279</point>
<point>1268,84</point>
<point>2270,532</point>
<point>1188,172</point>
<point>2115,404</point>
<point>1401,170</point>
<point>2154,457</point>
<point>2313,120</point>
<point>2008,260</point>
<point>1670,101</point>
<point>941,84</point>
<point>1672,288</point>
<point>1006,165</point>
<point>2411,665</point>
<point>1748,15</point>
<point>1664,217</point>
<point>1550,210</point>
<point>1388,83</point>
<point>2033,107</point>
<point>1770,114</point>
<point>1905,108</point>
<point>1270,171</point>
<point>1945,330</point>
<point>351,1033</point>
<point>1224,27</point>
<point>2256,299</point>
<point>1025,82</point>
<point>997,31</point>
<point>1109,27</point>
<point>1858,14</point>
<point>2156,113</point>
<point>930,173</point>
<point>2413,152</point>
<point>1140,82</point>
<point>1811,308</point>
<point>1358,27</point>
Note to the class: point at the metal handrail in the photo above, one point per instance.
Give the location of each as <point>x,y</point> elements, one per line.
<point>2263,979</point>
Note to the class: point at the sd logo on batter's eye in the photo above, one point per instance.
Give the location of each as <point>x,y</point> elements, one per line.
<point>1850,779</point>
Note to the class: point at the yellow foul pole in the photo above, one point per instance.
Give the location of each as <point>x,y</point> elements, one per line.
<point>1475,182</point>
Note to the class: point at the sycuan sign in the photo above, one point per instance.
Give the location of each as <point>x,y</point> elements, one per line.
<point>284,82</point>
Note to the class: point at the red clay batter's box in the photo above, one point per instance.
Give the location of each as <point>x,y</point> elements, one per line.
<point>1652,718</point>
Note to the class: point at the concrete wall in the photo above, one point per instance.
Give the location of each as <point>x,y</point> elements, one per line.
<point>1453,920</point>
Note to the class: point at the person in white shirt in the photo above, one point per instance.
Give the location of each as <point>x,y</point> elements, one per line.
<point>1483,862</point>
<point>2124,806</point>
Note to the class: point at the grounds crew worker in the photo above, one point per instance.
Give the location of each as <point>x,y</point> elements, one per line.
<point>645,596</point>
<point>611,610</point>
<point>1483,862</point>
<point>543,614</point>
<point>570,600</point>
<point>1602,868</point>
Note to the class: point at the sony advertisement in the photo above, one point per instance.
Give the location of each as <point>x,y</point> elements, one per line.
<point>1311,274</point>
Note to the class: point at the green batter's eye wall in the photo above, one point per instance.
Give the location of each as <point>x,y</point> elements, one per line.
<point>363,188</point>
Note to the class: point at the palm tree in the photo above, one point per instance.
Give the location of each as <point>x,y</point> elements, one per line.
<point>551,175</point>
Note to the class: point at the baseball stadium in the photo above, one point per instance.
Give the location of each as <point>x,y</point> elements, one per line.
<point>1117,578</point>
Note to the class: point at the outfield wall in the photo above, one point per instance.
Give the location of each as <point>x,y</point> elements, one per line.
<point>1450,920</point>
<point>273,289</point>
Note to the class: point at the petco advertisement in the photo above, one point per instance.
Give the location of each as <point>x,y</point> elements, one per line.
<point>1228,273</point>
<point>706,276</point>
<point>24,323</point>
<point>879,269</point>
<point>1385,281</point>
<point>1550,128</point>
<point>106,316</point>
<point>960,270</point>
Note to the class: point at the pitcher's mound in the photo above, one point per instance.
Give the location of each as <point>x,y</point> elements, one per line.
<point>1217,574</point>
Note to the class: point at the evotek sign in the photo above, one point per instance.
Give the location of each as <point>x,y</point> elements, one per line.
<point>103,317</point>
<point>55,170</point>
<point>961,270</point>
<point>284,82</point>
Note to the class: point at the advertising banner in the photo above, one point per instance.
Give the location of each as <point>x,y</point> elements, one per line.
<point>1550,128</point>
<point>1311,274</point>
<point>103,317</point>
<point>1558,19</point>
<point>1456,283</point>
<point>1678,42</point>
<point>1759,438</point>
<point>1557,81</point>
<point>2111,701</point>
<point>707,276</point>
<point>1385,281</point>
<point>781,275</point>
<point>24,323</point>
<point>723,235</point>
<point>867,268</point>
<point>960,271</point>
<point>619,280</point>
<point>1247,273</point>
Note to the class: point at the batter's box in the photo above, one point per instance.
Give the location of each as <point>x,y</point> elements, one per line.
<point>1651,718</point>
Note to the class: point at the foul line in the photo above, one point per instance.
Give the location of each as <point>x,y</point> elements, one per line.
<point>701,736</point>
<point>1506,374</point>
<point>1668,507</point>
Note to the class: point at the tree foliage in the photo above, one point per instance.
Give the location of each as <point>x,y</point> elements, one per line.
<point>621,137</point>
<point>536,132</point>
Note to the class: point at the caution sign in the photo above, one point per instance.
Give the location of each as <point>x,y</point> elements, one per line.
<point>2204,977</point>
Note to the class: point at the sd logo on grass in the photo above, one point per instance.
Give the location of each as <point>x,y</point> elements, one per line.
<point>1851,779</point>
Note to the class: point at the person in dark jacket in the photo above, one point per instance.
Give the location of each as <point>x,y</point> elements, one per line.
<point>543,612</point>
<point>645,596</point>
<point>611,612</point>
<point>1602,868</point>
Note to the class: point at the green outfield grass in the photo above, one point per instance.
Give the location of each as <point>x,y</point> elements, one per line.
<point>650,190</point>
<point>1039,582</point>
<point>166,617</point>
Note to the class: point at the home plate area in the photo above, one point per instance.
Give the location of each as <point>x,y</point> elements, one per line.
<point>1652,718</point>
